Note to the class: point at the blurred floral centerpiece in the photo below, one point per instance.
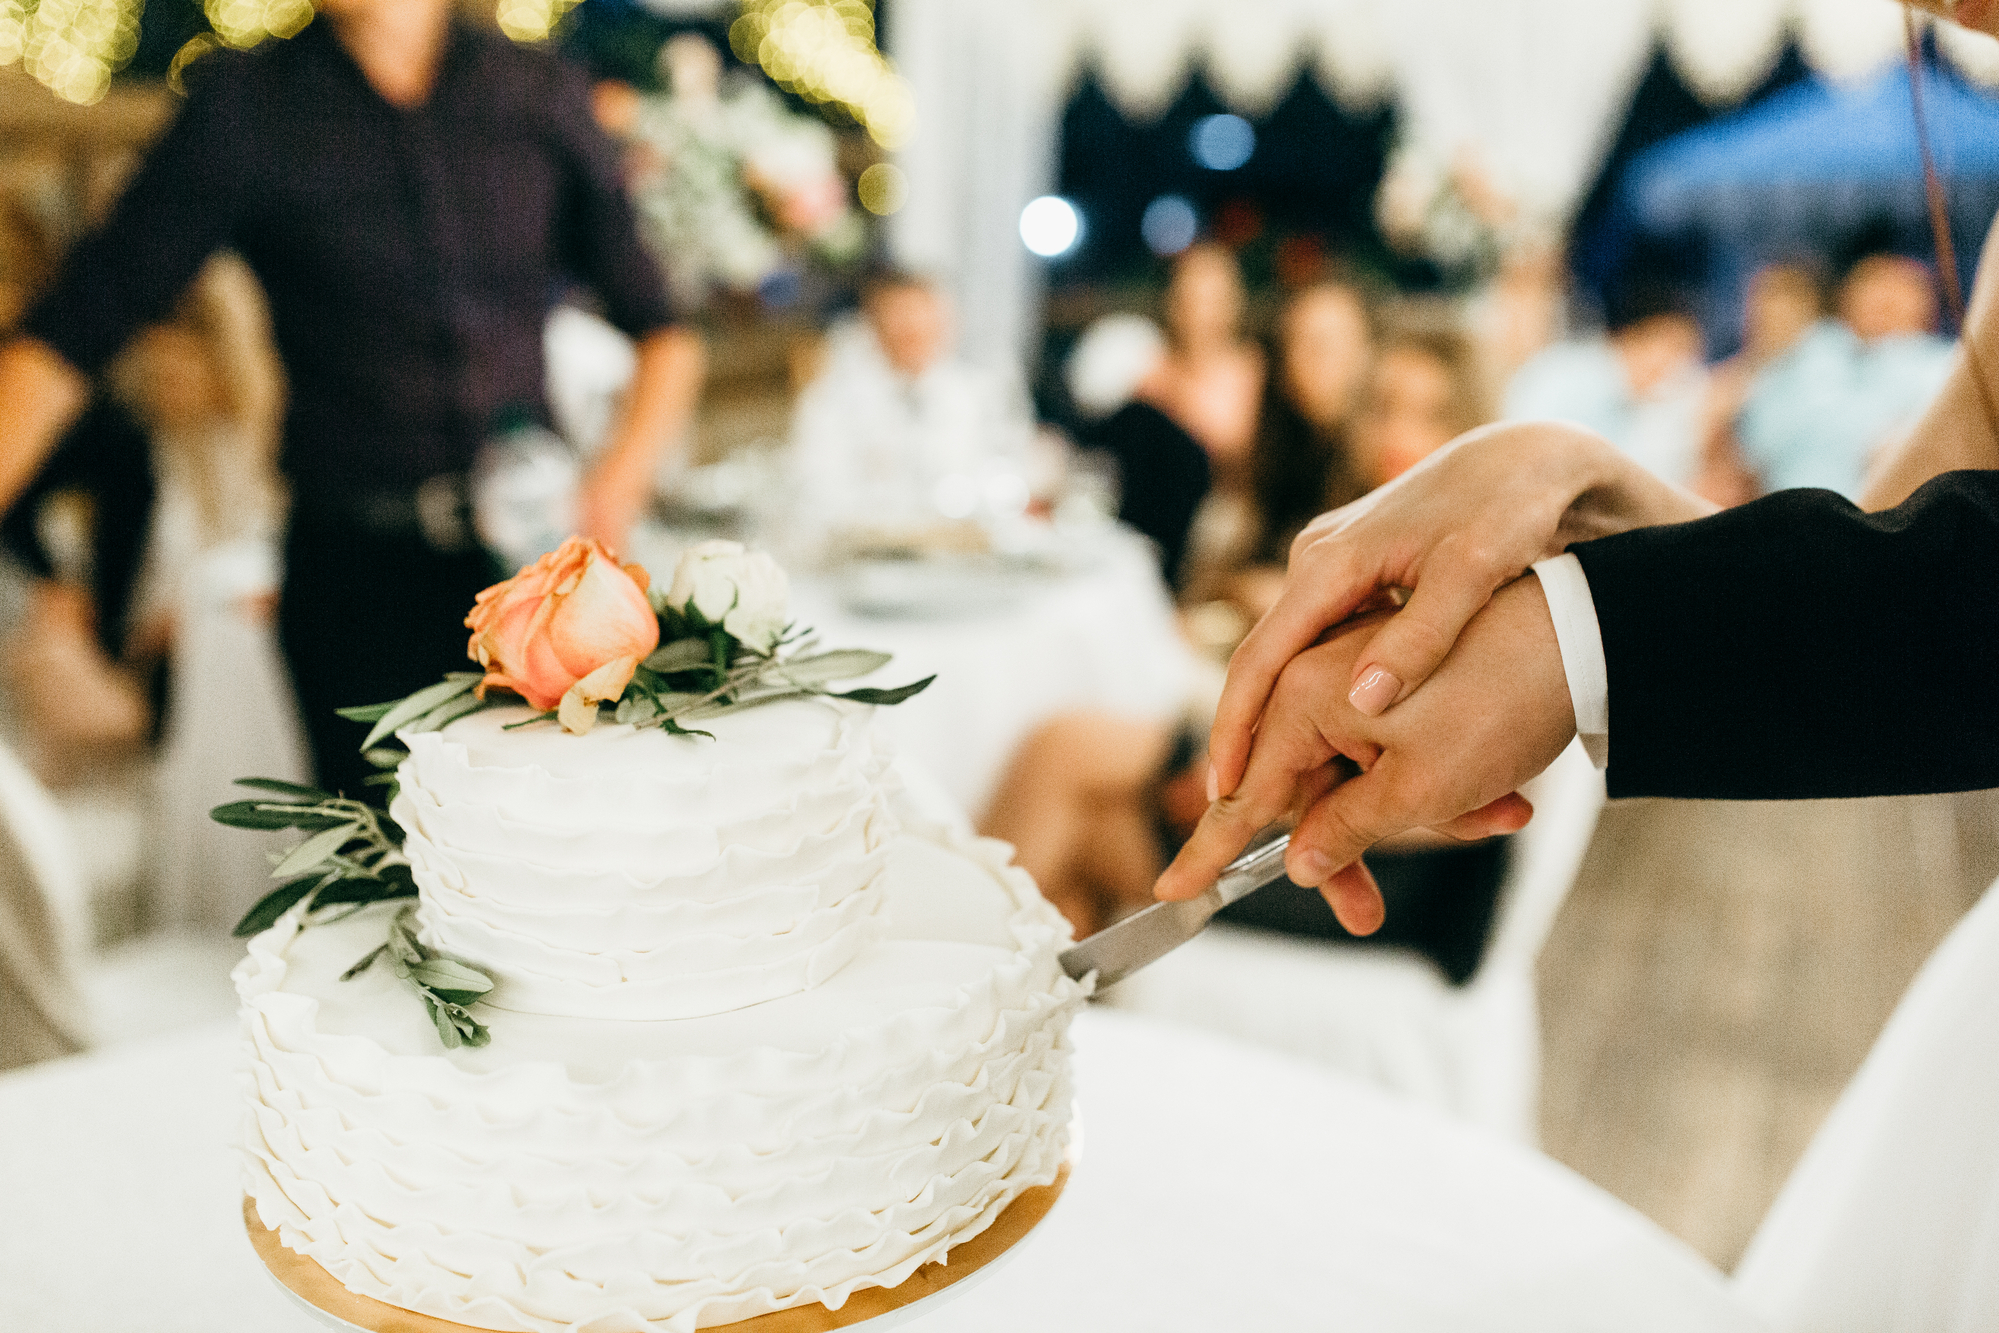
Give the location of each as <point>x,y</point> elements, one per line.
<point>1456,211</point>
<point>733,188</point>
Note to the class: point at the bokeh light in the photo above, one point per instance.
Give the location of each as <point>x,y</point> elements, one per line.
<point>244,23</point>
<point>1050,226</point>
<point>531,20</point>
<point>883,189</point>
<point>1170,224</point>
<point>71,46</point>
<point>824,51</point>
<point>1221,142</point>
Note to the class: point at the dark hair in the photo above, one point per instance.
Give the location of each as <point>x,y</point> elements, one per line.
<point>1875,238</point>
<point>1301,468</point>
<point>891,278</point>
<point>1644,296</point>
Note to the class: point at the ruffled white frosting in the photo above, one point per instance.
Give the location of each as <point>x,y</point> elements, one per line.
<point>633,874</point>
<point>613,1177</point>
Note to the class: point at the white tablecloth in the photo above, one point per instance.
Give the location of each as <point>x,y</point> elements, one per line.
<point>1103,638</point>
<point>1221,1189</point>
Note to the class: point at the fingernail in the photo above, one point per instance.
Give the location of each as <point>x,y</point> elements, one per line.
<point>1374,692</point>
<point>1214,785</point>
<point>1316,865</point>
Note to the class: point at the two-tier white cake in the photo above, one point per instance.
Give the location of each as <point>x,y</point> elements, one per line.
<point>758,1040</point>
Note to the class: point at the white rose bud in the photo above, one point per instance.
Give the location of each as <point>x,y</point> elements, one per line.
<point>743,591</point>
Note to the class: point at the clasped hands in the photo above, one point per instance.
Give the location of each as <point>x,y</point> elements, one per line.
<point>1359,722</point>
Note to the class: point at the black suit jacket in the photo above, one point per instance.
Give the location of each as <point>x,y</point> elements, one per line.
<point>1798,647</point>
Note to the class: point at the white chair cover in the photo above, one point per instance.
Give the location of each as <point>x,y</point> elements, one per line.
<point>44,906</point>
<point>1473,1050</point>
<point>1891,1221</point>
<point>231,716</point>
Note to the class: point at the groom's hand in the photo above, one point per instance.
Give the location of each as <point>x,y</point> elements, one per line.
<point>1495,713</point>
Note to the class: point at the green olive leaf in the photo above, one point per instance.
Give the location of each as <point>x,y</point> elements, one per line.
<point>840,664</point>
<point>416,705</point>
<point>888,698</point>
<point>314,850</point>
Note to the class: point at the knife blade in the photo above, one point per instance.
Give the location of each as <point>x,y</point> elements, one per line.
<point>1118,950</point>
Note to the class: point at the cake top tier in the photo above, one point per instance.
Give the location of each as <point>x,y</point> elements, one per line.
<point>795,735</point>
<point>641,798</point>
<point>631,873</point>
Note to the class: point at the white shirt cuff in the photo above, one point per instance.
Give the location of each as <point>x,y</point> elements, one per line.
<point>1573,610</point>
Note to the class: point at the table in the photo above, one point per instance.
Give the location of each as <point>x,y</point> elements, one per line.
<point>1222,1188</point>
<point>1102,637</point>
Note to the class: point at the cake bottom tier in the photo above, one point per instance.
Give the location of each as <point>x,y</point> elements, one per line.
<point>616,1176</point>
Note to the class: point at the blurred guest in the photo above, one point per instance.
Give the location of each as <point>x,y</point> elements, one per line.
<point>1427,387</point>
<point>1523,309</point>
<point>1211,379</point>
<point>410,258</point>
<point>1215,516</point>
<point>1641,386</point>
<point>82,518</point>
<point>1301,463</point>
<point>1780,306</point>
<point>1819,413</point>
<point>895,430</point>
<point>73,545</point>
<point>1189,432</point>
<point>207,387</point>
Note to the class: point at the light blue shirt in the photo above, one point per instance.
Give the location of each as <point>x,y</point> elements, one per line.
<point>1584,383</point>
<point>1818,414</point>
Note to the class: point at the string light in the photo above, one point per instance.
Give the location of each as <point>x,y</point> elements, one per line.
<point>824,51</point>
<point>71,46</point>
<point>244,23</point>
<point>532,20</point>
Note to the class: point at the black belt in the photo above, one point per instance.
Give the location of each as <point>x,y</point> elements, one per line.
<point>437,511</point>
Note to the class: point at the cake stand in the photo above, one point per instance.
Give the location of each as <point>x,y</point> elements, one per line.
<point>321,1297</point>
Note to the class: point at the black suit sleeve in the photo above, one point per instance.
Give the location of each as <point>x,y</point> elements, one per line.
<point>1797,647</point>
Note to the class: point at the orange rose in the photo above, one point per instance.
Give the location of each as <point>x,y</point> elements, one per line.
<point>566,632</point>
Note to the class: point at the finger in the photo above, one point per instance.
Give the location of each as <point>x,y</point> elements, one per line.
<point>1404,652</point>
<point>1508,814</point>
<point>1345,822</point>
<point>1311,601</point>
<point>1283,755</point>
<point>1355,899</point>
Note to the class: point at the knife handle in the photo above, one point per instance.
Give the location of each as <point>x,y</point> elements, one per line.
<point>1252,870</point>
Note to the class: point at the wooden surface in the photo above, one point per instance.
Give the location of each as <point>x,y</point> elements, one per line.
<point>314,1284</point>
<point>1717,976</point>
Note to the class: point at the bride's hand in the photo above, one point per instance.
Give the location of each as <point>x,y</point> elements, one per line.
<point>1461,524</point>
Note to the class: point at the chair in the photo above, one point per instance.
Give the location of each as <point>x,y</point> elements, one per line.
<point>1392,1019</point>
<point>44,908</point>
<point>1890,1222</point>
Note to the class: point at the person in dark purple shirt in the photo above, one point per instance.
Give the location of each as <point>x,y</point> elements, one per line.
<point>412,191</point>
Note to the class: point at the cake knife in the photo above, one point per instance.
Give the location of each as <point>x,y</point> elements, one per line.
<point>1118,950</point>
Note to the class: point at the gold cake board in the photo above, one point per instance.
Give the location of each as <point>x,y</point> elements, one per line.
<point>305,1279</point>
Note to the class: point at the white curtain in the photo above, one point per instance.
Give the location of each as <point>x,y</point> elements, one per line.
<point>989,87</point>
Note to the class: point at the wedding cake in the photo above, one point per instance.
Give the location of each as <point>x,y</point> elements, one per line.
<point>758,1036</point>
